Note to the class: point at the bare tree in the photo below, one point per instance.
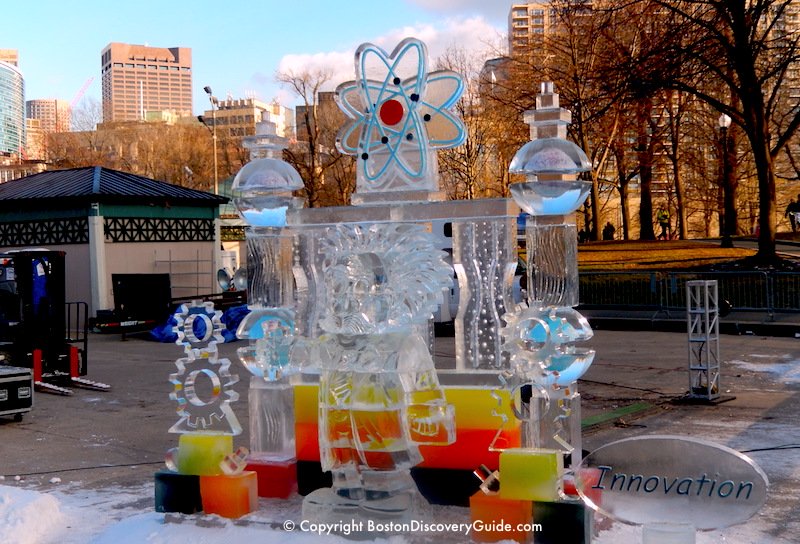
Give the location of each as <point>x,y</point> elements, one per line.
<point>465,168</point>
<point>313,154</point>
<point>744,45</point>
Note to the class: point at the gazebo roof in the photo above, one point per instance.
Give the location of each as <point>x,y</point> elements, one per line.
<point>78,186</point>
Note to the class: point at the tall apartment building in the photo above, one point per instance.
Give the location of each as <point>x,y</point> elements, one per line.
<point>527,23</point>
<point>138,78</point>
<point>530,22</point>
<point>12,104</point>
<point>54,115</point>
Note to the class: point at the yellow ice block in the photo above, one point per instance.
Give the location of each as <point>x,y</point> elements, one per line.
<point>306,403</point>
<point>201,453</point>
<point>531,474</point>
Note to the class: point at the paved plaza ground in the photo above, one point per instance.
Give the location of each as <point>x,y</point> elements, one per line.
<point>108,444</point>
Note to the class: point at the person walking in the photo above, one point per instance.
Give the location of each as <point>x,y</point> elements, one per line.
<point>792,212</point>
<point>608,231</point>
<point>663,221</point>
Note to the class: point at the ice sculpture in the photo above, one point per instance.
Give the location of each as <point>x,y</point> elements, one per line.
<point>379,393</point>
<point>400,115</point>
<point>541,340</point>
<point>263,190</point>
<point>202,386</point>
<point>203,472</point>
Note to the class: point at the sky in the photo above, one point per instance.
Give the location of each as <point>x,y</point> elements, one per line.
<point>237,46</point>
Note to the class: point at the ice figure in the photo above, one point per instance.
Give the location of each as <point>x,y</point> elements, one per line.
<point>379,393</point>
<point>541,340</point>
<point>400,115</point>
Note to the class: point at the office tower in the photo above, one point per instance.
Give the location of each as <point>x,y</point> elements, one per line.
<point>54,115</point>
<point>137,79</point>
<point>12,104</point>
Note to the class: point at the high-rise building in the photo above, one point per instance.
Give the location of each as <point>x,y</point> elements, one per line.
<point>12,104</point>
<point>137,79</point>
<point>10,56</point>
<point>527,23</point>
<point>53,114</point>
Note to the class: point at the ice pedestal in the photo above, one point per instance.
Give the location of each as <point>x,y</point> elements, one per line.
<point>272,437</point>
<point>271,419</point>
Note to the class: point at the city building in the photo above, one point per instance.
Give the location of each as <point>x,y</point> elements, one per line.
<point>34,140</point>
<point>238,117</point>
<point>530,22</point>
<point>12,104</point>
<point>53,114</point>
<point>138,78</point>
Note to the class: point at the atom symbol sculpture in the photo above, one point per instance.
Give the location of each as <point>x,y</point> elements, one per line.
<point>397,122</point>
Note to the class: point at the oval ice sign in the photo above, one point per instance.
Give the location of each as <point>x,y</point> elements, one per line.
<point>672,479</point>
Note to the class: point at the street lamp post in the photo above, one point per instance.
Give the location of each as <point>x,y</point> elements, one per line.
<point>728,182</point>
<point>214,106</point>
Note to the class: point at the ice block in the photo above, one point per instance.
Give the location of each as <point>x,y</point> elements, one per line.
<point>531,474</point>
<point>495,518</point>
<point>230,496</point>
<point>201,453</point>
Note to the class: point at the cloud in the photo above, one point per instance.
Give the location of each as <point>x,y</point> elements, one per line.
<point>473,34</point>
<point>490,9</point>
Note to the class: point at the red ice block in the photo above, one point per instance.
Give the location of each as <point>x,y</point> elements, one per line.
<point>470,450</point>
<point>495,519</point>
<point>229,496</point>
<point>277,478</point>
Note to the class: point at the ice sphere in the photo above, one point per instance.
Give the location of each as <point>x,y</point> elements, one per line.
<point>547,197</point>
<point>549,156</point>
<point>263,190</point>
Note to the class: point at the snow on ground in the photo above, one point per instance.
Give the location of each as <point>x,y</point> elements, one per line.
<point>124,516</point>
<point>786,370</point>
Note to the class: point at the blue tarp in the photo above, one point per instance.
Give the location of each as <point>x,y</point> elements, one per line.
<point>231,318</point>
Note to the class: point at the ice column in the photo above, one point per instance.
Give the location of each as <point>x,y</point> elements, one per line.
<point>541,340</point>
<point>264,195</point>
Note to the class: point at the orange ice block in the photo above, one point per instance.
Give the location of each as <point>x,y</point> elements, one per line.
<point>230,496</point>
<point>495,519</point>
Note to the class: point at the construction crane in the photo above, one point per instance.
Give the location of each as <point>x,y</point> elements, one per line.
<point>81,92</point>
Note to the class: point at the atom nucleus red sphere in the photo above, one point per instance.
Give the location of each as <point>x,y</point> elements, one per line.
<point>391,112</point>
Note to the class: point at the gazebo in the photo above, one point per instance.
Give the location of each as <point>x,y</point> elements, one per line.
<point>111,222</point>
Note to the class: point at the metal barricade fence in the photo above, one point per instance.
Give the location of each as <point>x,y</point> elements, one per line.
<point>639,290</point>
<point>666,291</point>
<point>786,291</point>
